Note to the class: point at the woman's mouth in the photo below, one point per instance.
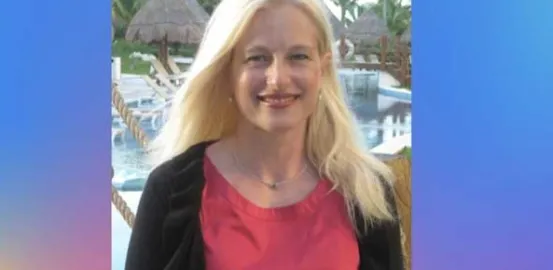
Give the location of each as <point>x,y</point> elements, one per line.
<point>278,101</point>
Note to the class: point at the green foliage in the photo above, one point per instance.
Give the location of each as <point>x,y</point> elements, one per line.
<point>209,5</point>
<point>348,7</point>
<point>398,15</point>
<point>406,152</point>
<point>122,11</point>
<point>361,9</point>
<point>122,48</point>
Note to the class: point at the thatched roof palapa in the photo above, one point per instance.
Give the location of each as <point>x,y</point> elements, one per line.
<point>337,27</point>
<point>173,21</point>
<point>369,27</point>
<point>197,9</point>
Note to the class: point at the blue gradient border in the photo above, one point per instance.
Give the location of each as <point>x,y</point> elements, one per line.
<point>55,135</point>
<point>482,134</point>
<point>482,177</point>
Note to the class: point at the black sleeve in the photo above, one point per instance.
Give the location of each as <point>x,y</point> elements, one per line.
<point>145,251</point>
<point>382,248</point>
<point>393,235</point>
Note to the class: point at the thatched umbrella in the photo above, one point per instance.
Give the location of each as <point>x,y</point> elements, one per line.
<point>369,27</point>
<point>168,21</point>
<point>337,27</point>
<point>197,9</point>
<point>406,36</point>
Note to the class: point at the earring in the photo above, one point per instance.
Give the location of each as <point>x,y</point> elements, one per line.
<point>320,96</point>
<point>230,99</point>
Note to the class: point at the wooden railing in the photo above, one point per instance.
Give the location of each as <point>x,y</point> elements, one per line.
<point>394,59</point>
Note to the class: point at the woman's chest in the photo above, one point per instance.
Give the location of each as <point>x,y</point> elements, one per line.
<point>235,240</point>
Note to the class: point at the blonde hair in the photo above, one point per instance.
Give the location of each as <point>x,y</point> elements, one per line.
<point>201,112</point>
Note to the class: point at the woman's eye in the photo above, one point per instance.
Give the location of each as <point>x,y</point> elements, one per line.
<point>299,56</point>
<point>256,58</point>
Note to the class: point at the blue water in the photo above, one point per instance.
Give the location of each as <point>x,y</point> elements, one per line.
<point>381,118</point>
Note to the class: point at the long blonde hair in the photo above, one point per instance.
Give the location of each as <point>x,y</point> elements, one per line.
<point>201,111</point>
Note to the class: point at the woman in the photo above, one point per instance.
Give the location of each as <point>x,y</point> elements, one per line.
<point>261,166</point>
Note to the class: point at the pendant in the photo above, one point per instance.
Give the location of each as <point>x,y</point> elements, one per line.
<point>272,186</point>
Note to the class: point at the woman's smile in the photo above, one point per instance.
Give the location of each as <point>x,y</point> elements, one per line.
<point>278,101</point>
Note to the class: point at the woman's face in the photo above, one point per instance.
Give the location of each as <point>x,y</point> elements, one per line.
<point>276,69</point>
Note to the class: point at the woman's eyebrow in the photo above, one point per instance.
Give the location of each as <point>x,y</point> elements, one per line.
<point>262,48</point>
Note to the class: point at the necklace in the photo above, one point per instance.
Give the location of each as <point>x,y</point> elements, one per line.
<point>270,185</point>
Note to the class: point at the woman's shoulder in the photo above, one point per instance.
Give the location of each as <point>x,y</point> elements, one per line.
<point>179,172</point>
<point>168,206</point>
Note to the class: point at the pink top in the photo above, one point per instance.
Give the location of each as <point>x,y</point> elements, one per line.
<point>314,234</point>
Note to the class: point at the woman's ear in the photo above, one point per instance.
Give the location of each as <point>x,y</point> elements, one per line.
<point>326,60</point>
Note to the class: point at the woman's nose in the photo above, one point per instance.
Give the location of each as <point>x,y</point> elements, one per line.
<point>278,74</point>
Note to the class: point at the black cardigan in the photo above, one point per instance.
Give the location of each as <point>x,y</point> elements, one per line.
<point>167,233</point>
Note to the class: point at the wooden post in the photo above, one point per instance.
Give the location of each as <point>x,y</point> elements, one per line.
<point>343,48</point>
<point>398,60</point>
<point>383,52</point>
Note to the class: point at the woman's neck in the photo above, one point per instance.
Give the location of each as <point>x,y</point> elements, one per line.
<point>273,157</point>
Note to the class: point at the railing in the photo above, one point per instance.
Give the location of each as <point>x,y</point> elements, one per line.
<point>132,124</point>
<point>395,59</point>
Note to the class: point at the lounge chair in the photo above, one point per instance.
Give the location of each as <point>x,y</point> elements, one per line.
<point>158,69</point>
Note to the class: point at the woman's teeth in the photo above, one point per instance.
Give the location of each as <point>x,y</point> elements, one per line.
<point>278,101</point>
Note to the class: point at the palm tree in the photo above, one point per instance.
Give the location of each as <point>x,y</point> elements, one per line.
<point>360,9</point>
<point>209,5</point>
<point>346,6</point>
<point>398,16</point>
<point>122,12</point>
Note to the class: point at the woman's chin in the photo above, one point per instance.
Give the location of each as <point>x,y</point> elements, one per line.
<point>280,126</point>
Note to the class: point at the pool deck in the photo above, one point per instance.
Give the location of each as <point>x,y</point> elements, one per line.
<point>393,146</point>
<point>399,93</point>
